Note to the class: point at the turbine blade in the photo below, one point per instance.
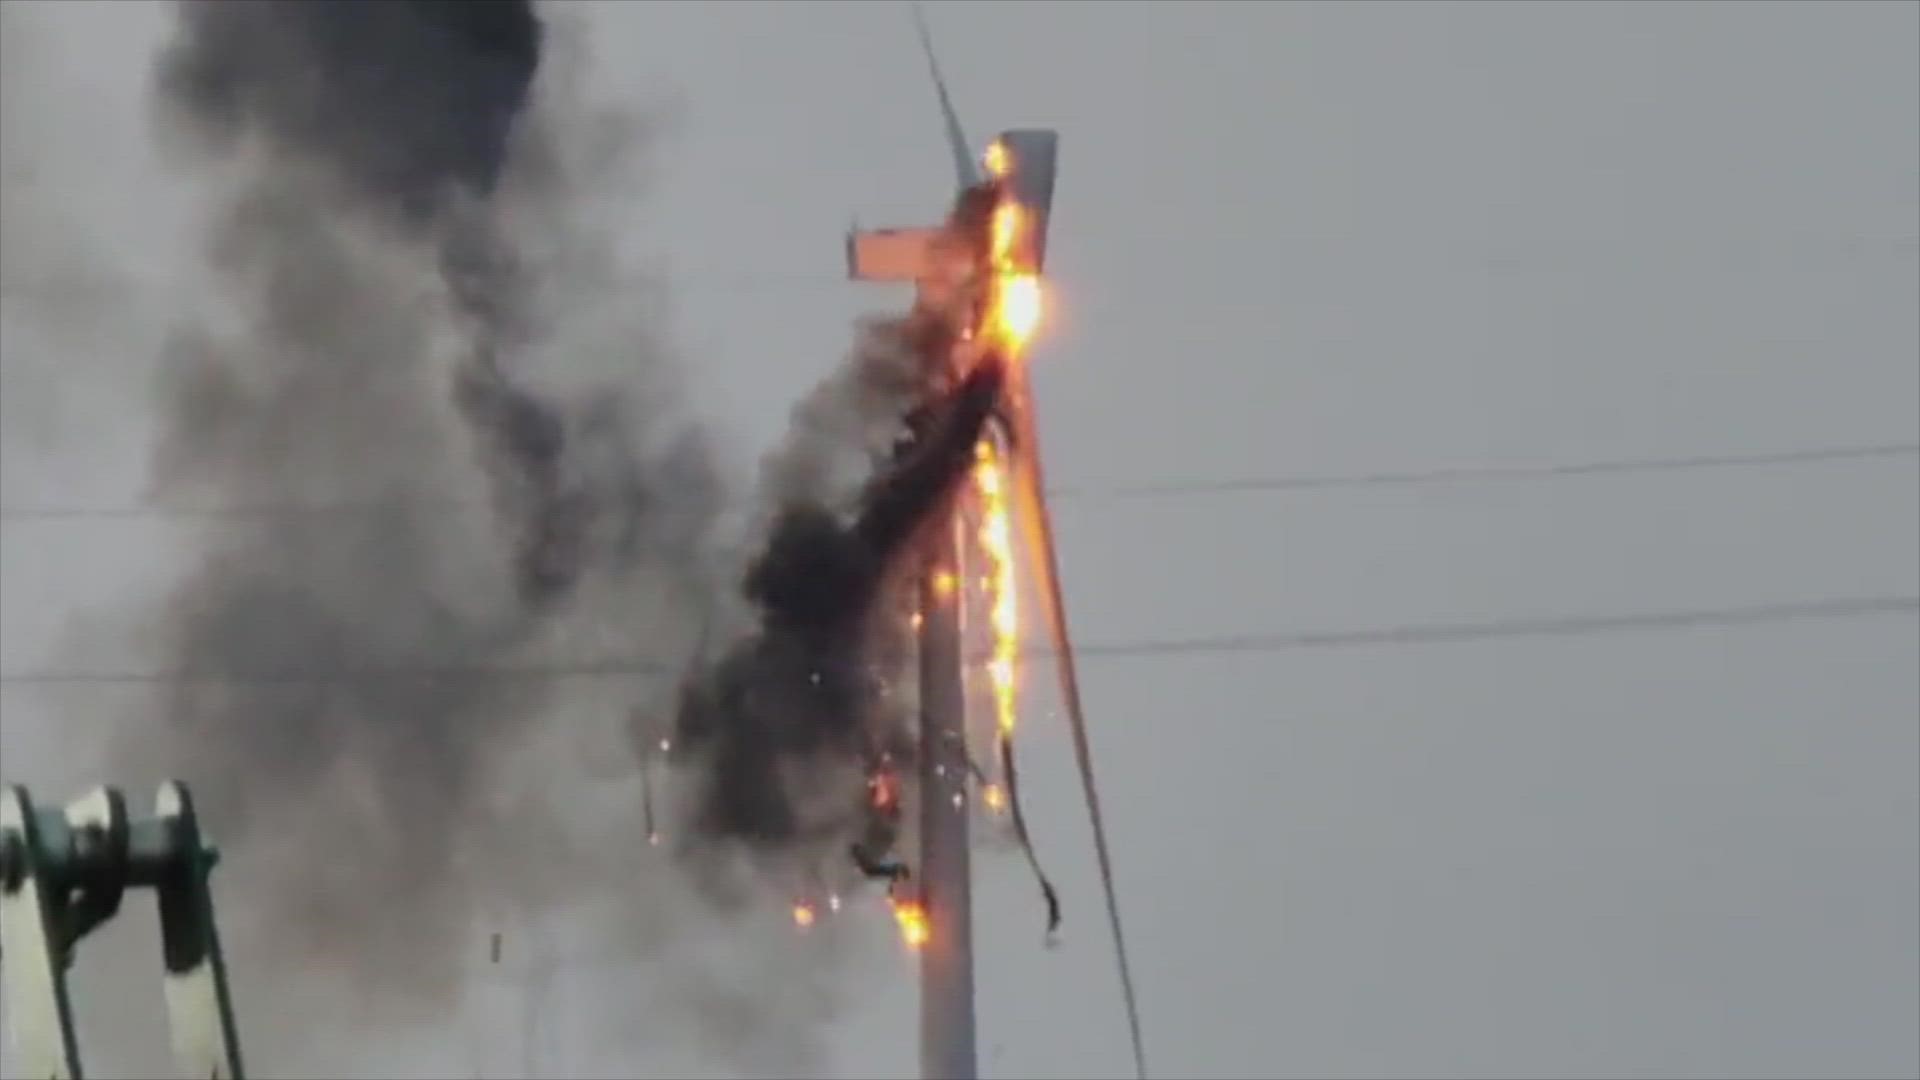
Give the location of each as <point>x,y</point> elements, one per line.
<point>1036,525</point>
<point>963,165</point>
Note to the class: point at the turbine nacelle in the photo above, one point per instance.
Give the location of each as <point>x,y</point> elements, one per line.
<point>1021,164</point>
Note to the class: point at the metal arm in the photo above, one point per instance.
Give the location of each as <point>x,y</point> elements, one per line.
<point>62,875</point>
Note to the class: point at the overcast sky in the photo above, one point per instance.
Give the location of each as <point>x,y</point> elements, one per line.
<point>1289,240</point>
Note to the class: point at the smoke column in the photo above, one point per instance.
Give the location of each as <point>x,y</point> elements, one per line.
<point>403,302</point>
<point>404,297</point>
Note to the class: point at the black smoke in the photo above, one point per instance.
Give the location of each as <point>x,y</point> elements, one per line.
<point>408,110</point>
<point>406,101</point>
<point>367,708</point>
<point>805,692</point>
<point>349,710</point>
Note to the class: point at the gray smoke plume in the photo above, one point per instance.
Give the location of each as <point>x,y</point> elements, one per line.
<point>405,113</point>
<point>372,702</point>
<point>386,327</point>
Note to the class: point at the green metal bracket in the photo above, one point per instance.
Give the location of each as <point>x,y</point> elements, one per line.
<point>62,875</point>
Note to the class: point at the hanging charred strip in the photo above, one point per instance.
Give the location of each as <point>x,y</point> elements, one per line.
<point>1047,892</point>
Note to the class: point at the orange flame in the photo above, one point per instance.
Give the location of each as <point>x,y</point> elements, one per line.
<point>996,541</point>
<point>1009,222</point>
<point>1017,313</point>
<point>1016,301</point>
<point>1012,318</point>
<point>997,160</point>
<point>912,918</point>
<point>803,915</point>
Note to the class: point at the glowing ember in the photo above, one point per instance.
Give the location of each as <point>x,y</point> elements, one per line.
<point>803,915</point>
<point>912,918</point>
<point>944,584</point>
<point>995,798</point>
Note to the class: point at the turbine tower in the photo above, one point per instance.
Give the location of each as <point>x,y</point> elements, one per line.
<point>947,1040</point>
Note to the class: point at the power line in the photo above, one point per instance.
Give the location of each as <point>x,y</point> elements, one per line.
<point>1406,634</point>
<point>1476,474</point>
<point>1082,493</point>
<point>1548,626</point>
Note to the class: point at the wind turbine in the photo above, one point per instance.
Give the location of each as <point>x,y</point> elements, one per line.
<point>987,291</point>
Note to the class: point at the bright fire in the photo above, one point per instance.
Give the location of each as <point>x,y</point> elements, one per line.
<point>913,922</point>
<point>996,160</point>
<point>1015,306</point>
<point>996,541</point>
<point>1012,318</point>
<point>1019,308</point>
<point>1015,313</point>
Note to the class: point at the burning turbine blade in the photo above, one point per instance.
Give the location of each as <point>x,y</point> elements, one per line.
<point>1036,527</point>
<point>1036,523</point>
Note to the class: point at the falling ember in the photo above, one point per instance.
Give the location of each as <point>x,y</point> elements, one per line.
<point>803,915</point>
<point>912,918</point>
<point>994,797</point>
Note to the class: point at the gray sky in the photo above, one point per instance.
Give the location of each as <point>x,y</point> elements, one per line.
<point>1289,239</point>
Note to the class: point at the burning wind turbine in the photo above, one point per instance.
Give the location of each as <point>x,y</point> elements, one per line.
<point>770,726</point>
<point>989,291</point>
<point>978,276</point>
